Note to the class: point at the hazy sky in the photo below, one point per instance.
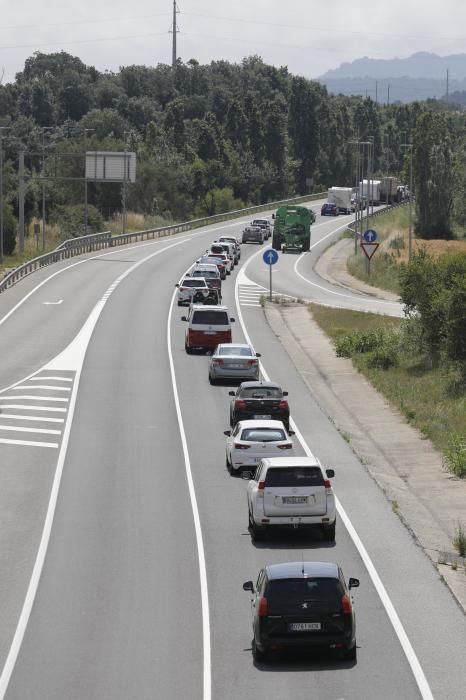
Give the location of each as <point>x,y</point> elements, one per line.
<point>308,37</point>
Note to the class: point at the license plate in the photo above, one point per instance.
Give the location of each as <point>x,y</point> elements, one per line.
<point>209,332</point>
<point>233,366</point>
<point>304,626</point>
<point>294,499</point>
<point>262,417</point>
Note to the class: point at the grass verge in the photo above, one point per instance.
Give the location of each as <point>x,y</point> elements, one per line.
<point>422,393</point>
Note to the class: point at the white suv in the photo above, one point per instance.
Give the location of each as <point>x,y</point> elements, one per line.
<point>293,492</point>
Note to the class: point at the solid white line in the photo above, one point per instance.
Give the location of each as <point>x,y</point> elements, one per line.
<point>48,379</point>
<point>406,645</point>
<point>24,387</point>
<point>207,683</point>
<point>18,429</point>
<point>44,420</point>
<point>34,398</point>
<point>27,443</point>
<point>256,305</point>
<point>33,408</point>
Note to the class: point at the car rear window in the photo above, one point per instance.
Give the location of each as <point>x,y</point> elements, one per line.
<point>211,318</point>
<point>263,434</point>
<point>294,476</point>
<point>289,592</point>
<point>235,350</point>
<point>261,392</point>
<point>193,283</point>
<point>208,274</point>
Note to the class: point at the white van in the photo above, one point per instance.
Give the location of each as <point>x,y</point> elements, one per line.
<point>207,327</point>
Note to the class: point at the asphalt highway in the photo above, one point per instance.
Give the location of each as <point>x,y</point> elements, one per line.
<point>139,590</point>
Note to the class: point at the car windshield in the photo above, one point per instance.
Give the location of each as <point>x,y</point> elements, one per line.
<point>294,476</point>
<point>235,350</point>
<point>289,592</point>
<point>261,392</point>
<point>210,317</point>
<point>263,434</point>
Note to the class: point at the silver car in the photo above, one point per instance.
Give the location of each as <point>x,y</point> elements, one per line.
<point>234,361</point>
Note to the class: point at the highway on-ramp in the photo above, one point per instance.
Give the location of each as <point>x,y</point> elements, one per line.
<point>133,589</point>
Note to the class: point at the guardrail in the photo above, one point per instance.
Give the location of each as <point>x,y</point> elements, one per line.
<point>97,241</point>
<point>379,212</point>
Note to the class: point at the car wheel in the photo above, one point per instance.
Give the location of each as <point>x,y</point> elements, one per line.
<point>189,351</point>
<point>329,532</point>
<point>259,654</point>
<point>212,380</point>
<point>258,532</point>
<point>351,654</point>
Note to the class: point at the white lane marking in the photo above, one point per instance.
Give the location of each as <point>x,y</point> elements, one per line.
<point>18,429</point>
<point>22,387</point>
<point>207,682</point>
<point>52,303</point>
<point>49,379</point>
<point>14,416</point>
<point>34,398</point>
<point>28,443</point>
<point>383,302</point>
<point>25,407</point>
<point>72,358</point>
<point>256,305</point>
<point>406,645</point>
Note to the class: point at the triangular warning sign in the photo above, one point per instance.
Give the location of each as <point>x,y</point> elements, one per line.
<point>369,249</point>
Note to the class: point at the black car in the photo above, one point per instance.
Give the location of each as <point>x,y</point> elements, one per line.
<point>302,604</point>
<point>262,400</point>
<point>329,209</point>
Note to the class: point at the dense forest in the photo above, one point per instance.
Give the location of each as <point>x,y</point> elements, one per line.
<point>214,137</point>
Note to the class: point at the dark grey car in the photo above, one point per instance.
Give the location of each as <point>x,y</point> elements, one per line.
<point>302,604</point>
<point>253,234</point>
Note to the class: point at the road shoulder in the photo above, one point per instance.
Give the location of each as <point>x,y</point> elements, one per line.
<point>406,466</point>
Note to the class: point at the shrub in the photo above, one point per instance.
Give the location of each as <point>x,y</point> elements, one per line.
<point>364,341</point>
<point>9,230</point>
<point>454,456</point>
<point>70,220</point>
<point>459,539</point>
<point>382,358</point>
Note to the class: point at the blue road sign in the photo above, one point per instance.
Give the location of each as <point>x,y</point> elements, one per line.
<point>370,236</point>
<point>270,256</point>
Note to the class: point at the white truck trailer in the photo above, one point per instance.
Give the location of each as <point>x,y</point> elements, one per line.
<point>371,191</point>
<point>341,196</point>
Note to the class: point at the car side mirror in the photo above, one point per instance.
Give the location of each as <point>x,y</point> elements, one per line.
<point>232,320</point>
<point>330,473</point>
<point>285,393</point>
<point>249,586</point>
<point>184,318</point>
<point>177,284</point>
<point>353,583</point>
<point>227,433</point>
<point>231,393</point>
<point>292,432</point>
<point>258,354</point>
<point>273,216</point>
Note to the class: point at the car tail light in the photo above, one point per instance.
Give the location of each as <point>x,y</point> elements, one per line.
<point>327,483</point>
<point>346,605</point>
<point>240,404</point>
<point>283,404</point>
<point>263,607</point>
<point>240,446</point>
<point>217,361</point>
<point>252,363</point>
<point>261,485</point>
<point>288,446</point>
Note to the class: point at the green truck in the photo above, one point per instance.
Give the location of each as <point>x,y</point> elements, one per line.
<point>292,228</point>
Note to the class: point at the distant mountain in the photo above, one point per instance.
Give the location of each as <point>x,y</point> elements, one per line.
<point>417,77</point>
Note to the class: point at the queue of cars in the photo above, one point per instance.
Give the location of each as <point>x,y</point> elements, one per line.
<point>298,604</point>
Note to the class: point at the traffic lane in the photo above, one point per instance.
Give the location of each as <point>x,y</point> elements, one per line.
<point>232,559</point>
<point>294,276</point>
<point>407,574</point>
<point>117,612</point>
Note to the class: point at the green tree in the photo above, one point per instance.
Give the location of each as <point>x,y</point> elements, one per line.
<point>9,230</point>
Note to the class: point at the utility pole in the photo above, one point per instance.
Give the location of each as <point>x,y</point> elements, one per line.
<point>410,215</point>
<point>126,134</point>
<point>388,94</point>
<point>174,32</point>
<point>2,128</point>
<point>44,128</point>
<point>21,192</point>
<point>448,85</point>
<point>85,180</point>
<point>376,91</point>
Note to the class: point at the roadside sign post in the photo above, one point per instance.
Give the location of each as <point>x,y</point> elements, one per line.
<point>270,257</point>
<point>369,246</point>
